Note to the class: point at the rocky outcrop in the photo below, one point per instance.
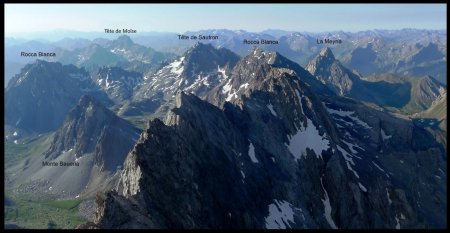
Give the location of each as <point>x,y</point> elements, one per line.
<point>40,96</point>
<point>91,128</point>
<point>330,72</point>
<point>117,82</point>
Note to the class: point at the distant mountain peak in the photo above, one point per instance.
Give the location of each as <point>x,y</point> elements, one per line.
<point>124,40</point>
<point>256,51</point>
<point>89,106</point>
<point>331,72</point>
<point>42,64</point>
<point>86,100</point>
<point>41,95</point>
<point>201,45</point>
<point>198,46</point>
<point>86,106</point>
<point>41,61</point>
<point>88,123</point>
<point>326,52</point>
<point>205,57</point>
<point>82,118</point>
<point>258,60</point>
<point>321,62</point>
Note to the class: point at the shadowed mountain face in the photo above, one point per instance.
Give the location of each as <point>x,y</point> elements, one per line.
<point>88,150</point>
<point>91,128</point>
<point>39,98</point>
<point>407,94</point>
<point>363,59</point>
<point>285,154</point>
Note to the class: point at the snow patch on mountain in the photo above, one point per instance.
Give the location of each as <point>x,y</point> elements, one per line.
<point>227,87</point>
<point>176,67</point>
<point>364,189</point>
<point>327,208</point>
<point>388,197</point>
<point>270,107</point>
<point>199,81</point>
<point>348,160</point>
<point>231,95</point>
<point>384,136</point>
<point>349,114</point>
<point>351,147</point>
<point>300,101</point>
<point>280,215</point>
<point>245,85</point>
<point>222,72</point>
<point>18,121</point>
<point>379,168</point>
<point>251,153</point>
<point>397,225</point>
<point>307,138</point>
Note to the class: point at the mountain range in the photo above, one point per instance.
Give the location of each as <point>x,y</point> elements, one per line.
<point>222,136</point>
<point>286,156</point>
<point>409,52</point>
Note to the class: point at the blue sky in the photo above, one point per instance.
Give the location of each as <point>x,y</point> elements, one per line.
<point>187,17</point>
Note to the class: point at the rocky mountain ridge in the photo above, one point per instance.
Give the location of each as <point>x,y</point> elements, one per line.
<point>286,155</point>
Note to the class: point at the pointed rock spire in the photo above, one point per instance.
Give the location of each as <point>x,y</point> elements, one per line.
<point>327,53</point>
